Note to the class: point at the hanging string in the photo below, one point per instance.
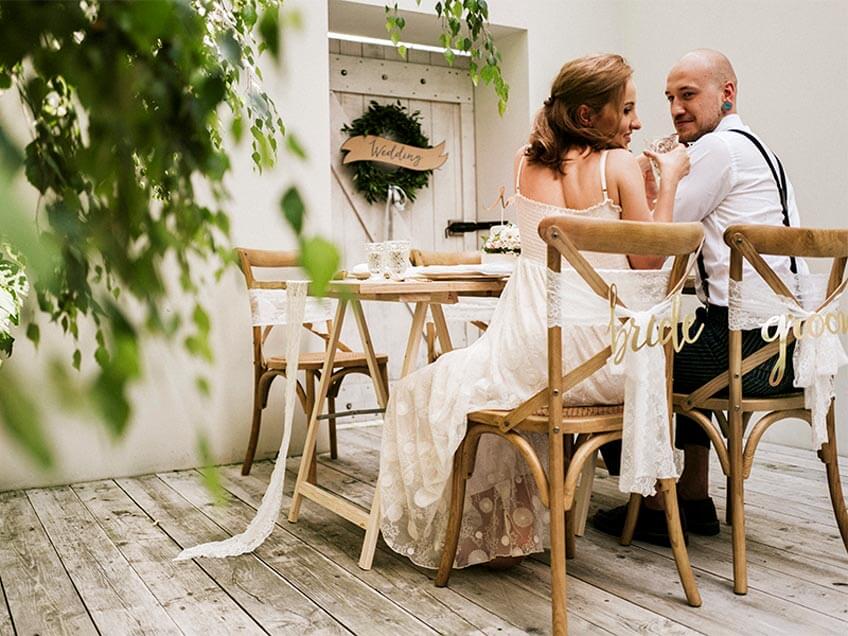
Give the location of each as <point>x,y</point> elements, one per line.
<point>395,200</point>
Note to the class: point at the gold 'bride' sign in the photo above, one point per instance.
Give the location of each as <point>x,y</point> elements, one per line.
<point>625,333</point>
<point>373,148</point>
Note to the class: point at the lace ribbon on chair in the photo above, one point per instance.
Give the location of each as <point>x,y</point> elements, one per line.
<point>819,353</point>
<point>272,307</point>
<point>647,452</point>
<point>469,309</point>
<point>288,307</point>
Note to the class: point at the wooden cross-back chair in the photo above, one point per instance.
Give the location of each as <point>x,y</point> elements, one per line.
<point>574,433</point>
<point>267,368</point>
<point>421,258</point>
<point>749,243</point>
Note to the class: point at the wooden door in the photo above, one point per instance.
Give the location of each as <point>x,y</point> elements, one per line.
<point>444,97</point>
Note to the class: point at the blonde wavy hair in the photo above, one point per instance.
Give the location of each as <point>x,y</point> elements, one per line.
<point>592,80</point>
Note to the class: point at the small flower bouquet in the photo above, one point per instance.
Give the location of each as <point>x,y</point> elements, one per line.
<point>503,244</point>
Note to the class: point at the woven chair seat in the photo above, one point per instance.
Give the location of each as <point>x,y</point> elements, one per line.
<point>576,419</point>
<point>585,411</point>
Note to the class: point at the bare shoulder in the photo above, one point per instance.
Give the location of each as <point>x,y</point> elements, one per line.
<point>621,159</point>
<point>621,164</point>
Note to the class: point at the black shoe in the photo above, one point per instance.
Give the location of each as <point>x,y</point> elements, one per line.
<point>650,527</point>
<point>701,517</point>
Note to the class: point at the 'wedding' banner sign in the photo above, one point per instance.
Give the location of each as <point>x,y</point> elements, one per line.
<point>373,148</point>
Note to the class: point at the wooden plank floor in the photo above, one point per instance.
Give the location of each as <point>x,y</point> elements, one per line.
<point>97,558</point>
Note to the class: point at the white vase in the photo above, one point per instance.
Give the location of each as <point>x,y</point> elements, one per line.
<point>499,257</point>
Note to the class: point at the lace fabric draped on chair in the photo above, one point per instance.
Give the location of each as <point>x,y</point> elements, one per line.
<point>636,336</point>
<point>272,307</point>
<point>814,320</point>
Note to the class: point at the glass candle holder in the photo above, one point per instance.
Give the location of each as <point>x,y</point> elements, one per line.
<point>375,252</point>
<point>396,257</point>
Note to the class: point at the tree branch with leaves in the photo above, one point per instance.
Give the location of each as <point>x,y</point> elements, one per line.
<point>464,25</point>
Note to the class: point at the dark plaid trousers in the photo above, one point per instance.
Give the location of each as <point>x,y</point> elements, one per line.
<point>699,362</point>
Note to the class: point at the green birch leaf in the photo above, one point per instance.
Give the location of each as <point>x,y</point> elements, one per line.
<point>293,209</point>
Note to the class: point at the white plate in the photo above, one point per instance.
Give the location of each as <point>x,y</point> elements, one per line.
<point>460,276</point>
<point>463,272</point>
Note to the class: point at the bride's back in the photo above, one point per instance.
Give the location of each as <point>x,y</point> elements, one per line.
<point>579,188</point>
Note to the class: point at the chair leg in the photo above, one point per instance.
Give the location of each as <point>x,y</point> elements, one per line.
<point>559,598</point>
<point>430,339</point>
<point>570,530</point>
<point>580,509</point>
<point>736,499</point>
<point>312,477</point>
<point>728,512</point>
<point>384,375</point>
<point>830,458</point>
<point>633,507</point>
<point>331,409</point>
<point>256,423</point>
<point>458,480</point>
<point>678,543</point>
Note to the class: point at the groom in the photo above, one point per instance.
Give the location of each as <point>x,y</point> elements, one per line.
<point>729,182</point>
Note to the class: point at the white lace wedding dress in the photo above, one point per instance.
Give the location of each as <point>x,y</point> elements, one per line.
<point>426,416</point>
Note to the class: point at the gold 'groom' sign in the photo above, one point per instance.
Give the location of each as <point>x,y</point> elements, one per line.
<point>373,148</point>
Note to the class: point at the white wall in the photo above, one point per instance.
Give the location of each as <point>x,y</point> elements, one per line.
<point>793,85</point>
<point>168,413</point>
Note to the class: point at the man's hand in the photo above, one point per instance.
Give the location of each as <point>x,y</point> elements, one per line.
<point>651,187</point>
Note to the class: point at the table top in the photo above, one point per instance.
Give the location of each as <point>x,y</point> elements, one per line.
<point>419,290</point>
<point>436,291</point>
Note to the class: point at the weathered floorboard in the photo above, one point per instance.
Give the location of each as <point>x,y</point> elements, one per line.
<point>341,541</point>
<point>6,628</point>
<point>512,604</point>
<point>350,601</point>
<point>117,599</point>
<point>193,600</point>
<point>96,557</point>
<point>38,592</point>
<point>272,601</point>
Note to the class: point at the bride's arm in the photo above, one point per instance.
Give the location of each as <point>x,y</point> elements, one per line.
<point>673,166</point>
<point>628,182</point>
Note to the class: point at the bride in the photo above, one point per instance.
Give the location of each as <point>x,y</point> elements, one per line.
<point>576,162</point>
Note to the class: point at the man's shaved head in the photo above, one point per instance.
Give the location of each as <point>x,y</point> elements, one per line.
<point>701,90</point>
<point>711,62</point>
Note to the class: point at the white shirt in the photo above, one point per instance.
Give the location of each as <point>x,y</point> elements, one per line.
<point>729,182</point>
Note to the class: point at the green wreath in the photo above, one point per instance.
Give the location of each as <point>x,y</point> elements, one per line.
<point>371,178</point>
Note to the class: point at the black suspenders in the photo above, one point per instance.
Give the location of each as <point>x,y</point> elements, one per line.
<point>780,180</point>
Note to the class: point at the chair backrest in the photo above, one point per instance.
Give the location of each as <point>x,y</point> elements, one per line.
<point>421,258</point>
<point>750,243</point>
<point>566,236</point>
<point>252,258</point>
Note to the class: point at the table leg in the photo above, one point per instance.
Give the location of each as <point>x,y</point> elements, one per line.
<point>306,460</point>
<point>441,327</point>
<point>373,366</point>
<point>414,340</point>
<point>372,529</point>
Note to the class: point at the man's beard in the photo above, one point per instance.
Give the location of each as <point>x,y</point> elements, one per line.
<point>701,131</point>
